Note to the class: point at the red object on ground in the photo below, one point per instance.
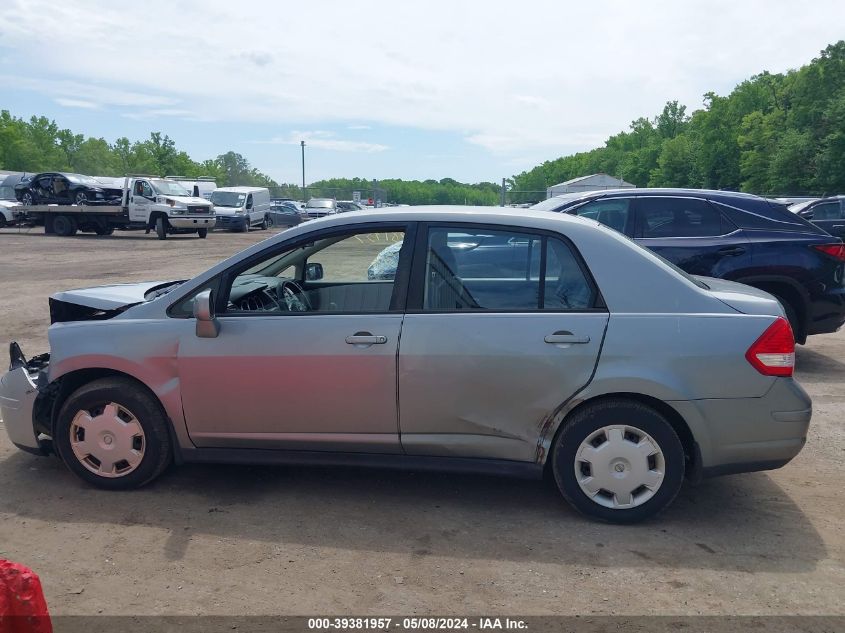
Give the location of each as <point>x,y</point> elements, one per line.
<point>22,605</point>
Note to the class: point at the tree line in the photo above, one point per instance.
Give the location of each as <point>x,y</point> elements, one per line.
<point>773,134</point>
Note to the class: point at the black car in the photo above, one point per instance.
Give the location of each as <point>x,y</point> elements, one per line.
<point>734,236</point>
<point>283,214</point>
<point>65,188</point>
<point>827,213</point>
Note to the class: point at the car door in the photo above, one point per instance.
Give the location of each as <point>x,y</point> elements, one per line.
<point>43,190</point>
<point>829,216</point>
<point>488,355</point>
<point>279,378</point>
<point>140,201</point>
<point>692,234</point>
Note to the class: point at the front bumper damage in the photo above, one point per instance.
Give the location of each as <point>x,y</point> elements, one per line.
<point>18,395</point>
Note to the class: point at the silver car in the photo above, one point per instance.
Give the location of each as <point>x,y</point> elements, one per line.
<point>579,353</point>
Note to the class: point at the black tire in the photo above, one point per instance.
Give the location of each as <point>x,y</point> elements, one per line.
<point>27,199</point>
<point>270,222</point>
<point>634,415</point>
<point>158,449</point>
<point>202,233</point>
<point>264,224</point>
<point>161,228</point>
<point>64,226</point>
<point>104,230</point>
<point>245,227</point>
<point>81,198</point>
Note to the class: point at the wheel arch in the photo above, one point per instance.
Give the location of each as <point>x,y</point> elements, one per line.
<point>64,386</point>
<point>675,419</point>
<point>791,291</point>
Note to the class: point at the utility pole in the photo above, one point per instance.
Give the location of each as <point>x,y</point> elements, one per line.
<point>304,194</point>
<point>503,192</point>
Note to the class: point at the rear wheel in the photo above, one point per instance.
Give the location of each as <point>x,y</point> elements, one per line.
<point>202,233</point>
<point>161,228</point>
<point>104,230</point>
<point>264,224</point>
<point>618,461</point>
<point>64,226</point>
<point>113,433</point>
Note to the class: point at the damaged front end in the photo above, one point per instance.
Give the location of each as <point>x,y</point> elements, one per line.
<point>23,400</point>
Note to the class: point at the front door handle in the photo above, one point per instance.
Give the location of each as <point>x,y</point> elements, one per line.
<point>564,337</point>
<point>366,338</point>
<point>731,251</point>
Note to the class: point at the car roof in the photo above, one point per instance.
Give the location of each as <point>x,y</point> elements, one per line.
<point>662,191</point>
<point>242,189</point>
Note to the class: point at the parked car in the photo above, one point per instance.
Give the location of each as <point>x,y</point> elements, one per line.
<point>596,361</point>
<point>284,214</point>
<point>8,200</point>
<point>826,213</point>
<point>241,208</point>
<point>318,207</point>
<point>734,236</point>
<point>65,188</point>
<point>348,205</point>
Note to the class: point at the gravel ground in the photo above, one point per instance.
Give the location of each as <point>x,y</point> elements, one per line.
<point>260,540</point>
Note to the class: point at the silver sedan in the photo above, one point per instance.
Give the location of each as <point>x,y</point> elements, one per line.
<point>503,341</point>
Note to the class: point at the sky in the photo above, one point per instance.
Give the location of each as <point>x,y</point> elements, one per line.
<point>470,90</point>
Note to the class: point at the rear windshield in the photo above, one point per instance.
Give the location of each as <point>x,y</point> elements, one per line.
<point>321,204</point>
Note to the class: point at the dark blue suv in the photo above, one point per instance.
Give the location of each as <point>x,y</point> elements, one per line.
<point>733,236</point>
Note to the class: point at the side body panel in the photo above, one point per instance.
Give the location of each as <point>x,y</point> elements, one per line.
<point>484,384</point>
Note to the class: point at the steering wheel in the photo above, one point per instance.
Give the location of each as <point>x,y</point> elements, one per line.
<point>294,296</point>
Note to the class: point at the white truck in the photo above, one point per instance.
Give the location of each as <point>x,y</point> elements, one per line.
<point>147,202</point>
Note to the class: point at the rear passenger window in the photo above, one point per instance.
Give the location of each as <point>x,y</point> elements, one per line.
<point>469,270</point>
<point>612,212</point>
<point>679,217</point>
<point>827,211</point>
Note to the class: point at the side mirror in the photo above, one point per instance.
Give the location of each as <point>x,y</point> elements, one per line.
<point>313,272</point>
<point>207,324</point>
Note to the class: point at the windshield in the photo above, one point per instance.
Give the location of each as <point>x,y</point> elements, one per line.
<point>83,180</point>
<point>320,204</point>
<point>800,206</point>
<point>169,188</point>
<point>553,204</point>
<point>228,198</point>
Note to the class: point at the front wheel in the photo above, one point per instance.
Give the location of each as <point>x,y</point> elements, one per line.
<point>202,233</point>
<point>27,200</point>
<point>113,433</point>
<point>618,461</point>
<point>161,228</point>
<point>80,199</point>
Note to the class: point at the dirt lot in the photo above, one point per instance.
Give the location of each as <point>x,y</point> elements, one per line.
<point>250,540</point>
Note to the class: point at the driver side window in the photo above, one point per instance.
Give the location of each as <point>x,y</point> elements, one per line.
<point>350,273</point>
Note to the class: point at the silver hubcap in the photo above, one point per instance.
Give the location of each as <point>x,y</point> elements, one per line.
<point>108,441</point>
<point>619,466</point>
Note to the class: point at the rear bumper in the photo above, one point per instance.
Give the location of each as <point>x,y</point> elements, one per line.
<point>190,222</point>
<point>827,311</point>
<point>748,434</point>
<point>17,399</point>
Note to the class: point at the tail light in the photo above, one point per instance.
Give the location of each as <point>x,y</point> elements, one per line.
<point>773,354</point>
<point>837,251</point>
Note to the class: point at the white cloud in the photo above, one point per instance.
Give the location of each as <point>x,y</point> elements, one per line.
<point>326,140</point>
<point>359,127</point>
<point>76,103</point>
<point>551,77</point>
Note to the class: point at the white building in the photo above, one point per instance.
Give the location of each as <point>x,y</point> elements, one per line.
<point>595,182</point>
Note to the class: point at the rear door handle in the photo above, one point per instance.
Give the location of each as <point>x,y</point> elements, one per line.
<point>730,251</point>
<point>365,338</point>
<point>563,337</point>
